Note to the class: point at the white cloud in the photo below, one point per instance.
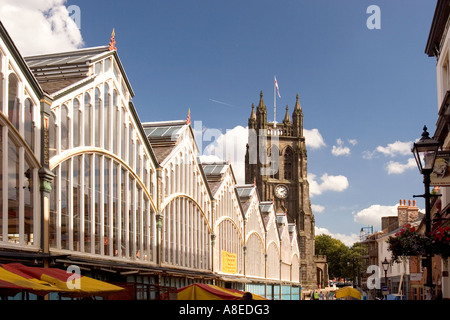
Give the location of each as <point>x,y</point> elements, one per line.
<point>40,26</point>
<point>317,208</point>
<point>398,148</point>
<point>340,150</point>
<point>210,159</point>
<point>327,183</point>
<point>313,139</point>
<point>372,215</point>
<point>394,167</point>
<point>348,240</point>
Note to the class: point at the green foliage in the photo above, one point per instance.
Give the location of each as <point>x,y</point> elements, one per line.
<point>343,261</point>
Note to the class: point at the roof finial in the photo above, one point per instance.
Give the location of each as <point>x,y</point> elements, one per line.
<point>188,121</point>
<point>112,42</point>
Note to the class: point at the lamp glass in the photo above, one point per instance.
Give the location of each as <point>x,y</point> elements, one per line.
<point>425,151</point>
<point>385,264</point>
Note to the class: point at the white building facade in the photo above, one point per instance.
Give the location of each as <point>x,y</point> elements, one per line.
<point>84,182</point>
<point>438,46</point>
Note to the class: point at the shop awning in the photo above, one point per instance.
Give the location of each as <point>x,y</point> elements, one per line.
<point>16,277</point>
<point>348,292</point>
<point>201,291</point>
<point>12,282</point>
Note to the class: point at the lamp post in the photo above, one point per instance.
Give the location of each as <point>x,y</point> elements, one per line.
<point>385,265</point>
<point>425,151</point>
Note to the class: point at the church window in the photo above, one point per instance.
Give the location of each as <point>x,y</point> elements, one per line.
<point>288,167</point>
<point>274,162</point>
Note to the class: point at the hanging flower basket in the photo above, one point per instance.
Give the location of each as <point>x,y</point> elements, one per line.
<point>409,242</point>
<point>406,243</point>
<point>440,241</point>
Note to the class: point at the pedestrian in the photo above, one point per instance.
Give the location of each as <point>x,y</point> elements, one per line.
<point>316,295</point>
<point>247,296</point>
<point>320,295</point>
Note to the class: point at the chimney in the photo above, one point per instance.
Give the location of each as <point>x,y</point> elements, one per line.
<point>413,212</point>
<point>407,212</point>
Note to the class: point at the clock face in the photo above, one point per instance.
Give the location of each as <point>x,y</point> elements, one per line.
<point>281,191</point>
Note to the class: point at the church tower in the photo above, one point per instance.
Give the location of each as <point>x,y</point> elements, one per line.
<point>275,161</point>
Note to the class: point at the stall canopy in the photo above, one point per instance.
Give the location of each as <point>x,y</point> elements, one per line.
<point>200,291</point>
<point>348,293</point>
<point>16,277</point>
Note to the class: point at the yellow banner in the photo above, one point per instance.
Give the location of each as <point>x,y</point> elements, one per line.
<point>229,262</point>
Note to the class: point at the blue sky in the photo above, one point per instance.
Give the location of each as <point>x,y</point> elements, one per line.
<point>365,94</point>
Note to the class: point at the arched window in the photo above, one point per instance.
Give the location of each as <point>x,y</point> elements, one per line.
<point>64,121</point>
<point>18,187</point>
<point>64,203</point>
<point>77,121</point>
<point>97,117</point>
<point>288,163</point>
<point>274,162</point>
<point>77,196</point>
<point>123,142</point>
<point>29,126</point>
<point>87,202</point>
<point>13,191</point>
<point>13,100</point>
<point>87,119</point>
<point>106,115</point>
<point>115,122</point>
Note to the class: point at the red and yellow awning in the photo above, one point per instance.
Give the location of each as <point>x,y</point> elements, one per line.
<point>16,277</point>
<point>201,291</point>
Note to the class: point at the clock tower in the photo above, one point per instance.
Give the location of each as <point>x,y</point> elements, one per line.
<point>275,161</point>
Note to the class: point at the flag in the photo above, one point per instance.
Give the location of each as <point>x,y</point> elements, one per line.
<point>276,86</point>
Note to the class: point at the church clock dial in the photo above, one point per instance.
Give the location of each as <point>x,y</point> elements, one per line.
<point>281,191</point>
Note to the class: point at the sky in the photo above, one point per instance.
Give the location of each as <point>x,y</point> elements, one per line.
<point>366,87</point>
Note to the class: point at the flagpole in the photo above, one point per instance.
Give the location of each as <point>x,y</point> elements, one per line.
<point>274,104</point>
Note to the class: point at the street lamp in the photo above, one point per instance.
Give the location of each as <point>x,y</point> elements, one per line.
<point>425,151</point>
<point>385,264</point>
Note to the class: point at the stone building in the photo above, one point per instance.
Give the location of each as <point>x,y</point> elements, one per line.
<point>276,162</point>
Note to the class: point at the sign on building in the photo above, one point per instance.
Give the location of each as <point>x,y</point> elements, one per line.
<point>229,262</point>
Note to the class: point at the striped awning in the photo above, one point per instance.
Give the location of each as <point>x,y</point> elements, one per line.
<point>16,277</point>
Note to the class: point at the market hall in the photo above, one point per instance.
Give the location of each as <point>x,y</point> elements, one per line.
<point>84,182</point>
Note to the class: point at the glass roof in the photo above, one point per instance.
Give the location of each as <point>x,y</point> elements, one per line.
<point>214,168</point>
<point>245,192</point>
<point>265,207</point>
<point>162,131</point>
<point>64,58</point>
